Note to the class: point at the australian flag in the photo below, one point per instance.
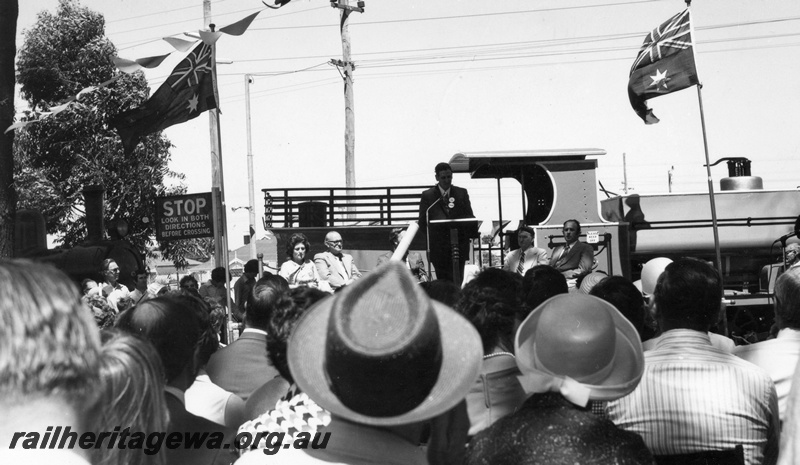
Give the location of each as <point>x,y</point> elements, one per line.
<point>665,64</point>
<point>186,93</point>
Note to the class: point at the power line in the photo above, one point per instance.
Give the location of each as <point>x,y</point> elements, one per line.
<point>479,15</point>
<point>473,57</point>
<point>159,13</point>
<point>126,45</point>
<point>550,42</point>
<point>452,60</point>
<point>335,24</point>
<point>229,13</point>
<point>284,89</point>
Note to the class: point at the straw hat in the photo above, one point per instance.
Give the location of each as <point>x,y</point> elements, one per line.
<point>590,280</point>
<point>382,353</point>
<point>581,346</point>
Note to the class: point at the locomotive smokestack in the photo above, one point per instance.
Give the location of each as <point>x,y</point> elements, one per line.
<point>739,177</point>
<point>94,204</point>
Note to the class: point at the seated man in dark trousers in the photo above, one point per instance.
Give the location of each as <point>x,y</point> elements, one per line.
<point>442,202</point>
<point>574,258</point>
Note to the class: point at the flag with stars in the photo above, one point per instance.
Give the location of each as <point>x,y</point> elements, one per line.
<point>665,64</point>
<point>186,93</point>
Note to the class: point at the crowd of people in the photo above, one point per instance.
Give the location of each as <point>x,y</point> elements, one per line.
<point>514,366</point>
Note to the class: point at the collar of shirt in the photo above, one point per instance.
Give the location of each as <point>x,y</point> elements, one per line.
<point>443,192</point>
<point>254,330</point>
<point>176,392</point>
<point>679,337</point>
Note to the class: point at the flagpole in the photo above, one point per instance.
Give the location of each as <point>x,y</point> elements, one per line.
<point>218,180</point>
<point>223,217</point>
<point>710,184</point>
<point>248,78</point>
<point>714,224</point>
<point>715,227</point>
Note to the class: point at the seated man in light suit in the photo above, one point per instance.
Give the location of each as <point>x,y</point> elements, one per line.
<point>573,258</point>
<point>779,356</point>
<point>792,256</point>
<point>526,256</point>
<point>335,267</point>
<point>413,260</point>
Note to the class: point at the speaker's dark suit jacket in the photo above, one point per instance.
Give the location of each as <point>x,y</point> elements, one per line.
<point>440,236</point>
<point>242,366</point>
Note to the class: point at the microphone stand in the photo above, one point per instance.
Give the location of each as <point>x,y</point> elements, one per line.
<point>428,233</point>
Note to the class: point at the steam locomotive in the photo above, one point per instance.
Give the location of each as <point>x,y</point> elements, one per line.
<point>83,261</point>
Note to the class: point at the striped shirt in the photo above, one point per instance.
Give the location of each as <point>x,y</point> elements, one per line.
<point>694,397</point>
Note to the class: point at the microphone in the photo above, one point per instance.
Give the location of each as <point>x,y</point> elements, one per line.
<point>783,238</point>
<point>428,231</point>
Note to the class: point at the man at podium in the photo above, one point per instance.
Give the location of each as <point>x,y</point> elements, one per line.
<point>444,201</point>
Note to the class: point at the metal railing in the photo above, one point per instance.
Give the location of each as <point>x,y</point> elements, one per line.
<point>332,206</point>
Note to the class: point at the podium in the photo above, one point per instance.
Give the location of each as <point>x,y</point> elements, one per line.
<point>455,230</point>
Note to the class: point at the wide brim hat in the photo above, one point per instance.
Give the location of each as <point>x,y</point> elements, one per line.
<point>650,273</point>
<point>585,339</point>
<point>382,353</point>
<point>590,280</point>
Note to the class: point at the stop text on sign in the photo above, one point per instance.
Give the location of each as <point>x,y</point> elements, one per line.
<point>184,217</point>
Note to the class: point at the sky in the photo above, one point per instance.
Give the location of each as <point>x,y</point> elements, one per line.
<point>436,78</point>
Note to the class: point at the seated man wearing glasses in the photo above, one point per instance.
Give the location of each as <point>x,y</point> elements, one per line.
<point>112,289</point>
<point>335,267</point>
<point>792,259</point>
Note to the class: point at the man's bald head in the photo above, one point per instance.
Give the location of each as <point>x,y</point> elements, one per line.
<point>787,299</point>
<point>792,253</point>
<point>333,241</point>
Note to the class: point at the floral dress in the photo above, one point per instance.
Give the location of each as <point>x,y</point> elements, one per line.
<point>300,275</point>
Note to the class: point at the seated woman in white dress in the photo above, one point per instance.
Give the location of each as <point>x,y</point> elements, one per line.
<point>299,270</point>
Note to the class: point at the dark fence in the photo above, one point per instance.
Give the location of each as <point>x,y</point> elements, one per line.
<point>333,206</point>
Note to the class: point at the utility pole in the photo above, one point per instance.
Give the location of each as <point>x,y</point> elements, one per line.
<point>624,174</point>
<point>347,67</point>
<point>248,79</point>
<point>669,178</point>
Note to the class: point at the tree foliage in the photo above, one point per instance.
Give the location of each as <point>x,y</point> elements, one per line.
<point>63,53</point>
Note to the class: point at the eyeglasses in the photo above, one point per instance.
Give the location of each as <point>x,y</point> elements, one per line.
<point>334,242</point>
<point>115,270</point>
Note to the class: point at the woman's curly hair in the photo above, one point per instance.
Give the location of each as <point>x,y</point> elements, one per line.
<point>490,302</point>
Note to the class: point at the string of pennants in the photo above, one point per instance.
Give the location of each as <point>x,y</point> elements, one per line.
<point>130,66</point>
